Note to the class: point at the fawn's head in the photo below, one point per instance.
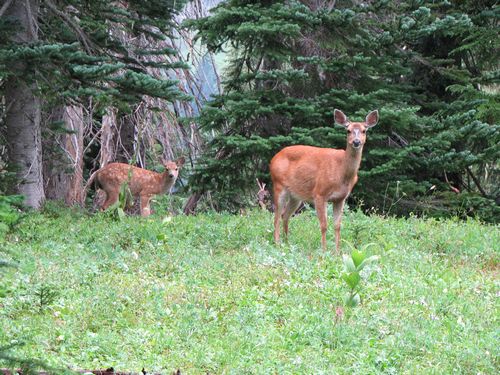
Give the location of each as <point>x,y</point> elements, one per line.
<point>172,167</point>
<point>356,131</point>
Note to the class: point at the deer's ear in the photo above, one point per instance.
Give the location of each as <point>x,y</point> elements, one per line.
<point>340,118</point>
<point>180,162</point>
<point>372,119</point>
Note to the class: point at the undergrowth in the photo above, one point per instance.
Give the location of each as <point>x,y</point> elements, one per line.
<point>213,294</point>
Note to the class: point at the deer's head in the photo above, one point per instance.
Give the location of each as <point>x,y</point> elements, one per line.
<point>356,131</point>
<point>172,167</point>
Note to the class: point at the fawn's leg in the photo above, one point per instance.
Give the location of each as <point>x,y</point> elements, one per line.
<point>111,198</point>
<point>144,204</point>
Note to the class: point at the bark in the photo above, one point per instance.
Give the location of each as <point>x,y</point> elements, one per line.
<point>74,148</point>
<point>63,168</point>
<point>54,162</point>
<point>192,203</point>
<point>476,181</point>
<point>23,117</point>
<point>125,149</point>
<point>108,135</point>
<point>118,139</point>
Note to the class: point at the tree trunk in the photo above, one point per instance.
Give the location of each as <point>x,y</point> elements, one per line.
<point>74,146</point>
<point>64,164</point>
<point>108,136</point>
<point>23,115</point>
<point>125,149</point>
<point>192,203</point>
<point>131,145</point>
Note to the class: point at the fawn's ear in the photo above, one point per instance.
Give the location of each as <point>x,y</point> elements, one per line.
<point>180,162</point>
<point>340,118</point>
<point>372,119</point>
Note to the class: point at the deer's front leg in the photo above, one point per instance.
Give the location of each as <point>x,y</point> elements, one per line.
<point>320,204</point>
<point>338,208</point>
<point>144,203</point>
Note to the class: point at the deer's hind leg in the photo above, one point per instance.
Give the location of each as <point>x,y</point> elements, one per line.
<point>111,198</point>
<point>291,206</point>
<point>280,197</point>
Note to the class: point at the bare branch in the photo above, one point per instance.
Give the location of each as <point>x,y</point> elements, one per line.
<point>4,7</point>
<point>476,181</point>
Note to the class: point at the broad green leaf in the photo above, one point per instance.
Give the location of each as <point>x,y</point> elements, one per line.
<point>348,263</point>
<point>352,279</point>
<point>367,261</point>
<point>368,245</point>
<point>121,213</point>
<point>161,237</point>
<point>357,257</point>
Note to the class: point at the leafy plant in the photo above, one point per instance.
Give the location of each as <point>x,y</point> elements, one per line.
<point>353,265</point>
<point>26,366</point>
<point>45,295</point>
<point>9,212</point>
<point>125,198</point>
<point>206,288</point>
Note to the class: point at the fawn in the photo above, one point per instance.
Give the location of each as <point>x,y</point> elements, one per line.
<point>141,182</point>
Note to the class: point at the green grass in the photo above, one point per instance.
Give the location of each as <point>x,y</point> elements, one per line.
<point>212,293</point>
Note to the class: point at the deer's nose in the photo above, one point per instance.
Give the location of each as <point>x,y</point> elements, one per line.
<point>356,143</point>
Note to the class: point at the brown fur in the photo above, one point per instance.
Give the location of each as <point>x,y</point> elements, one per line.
<point>318,175</point>
<point>141,182</point>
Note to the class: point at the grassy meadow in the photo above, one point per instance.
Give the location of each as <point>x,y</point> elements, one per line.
<point>213,294</point>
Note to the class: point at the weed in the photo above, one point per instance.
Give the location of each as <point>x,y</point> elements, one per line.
<point>9,212</point>
<point>353,265</point>
<point>44,296</point>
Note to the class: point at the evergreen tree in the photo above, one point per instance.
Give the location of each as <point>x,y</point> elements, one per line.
<point>455,76</point>
<point>292,63</point>
<point>82,57</point>
<point>22,120</point>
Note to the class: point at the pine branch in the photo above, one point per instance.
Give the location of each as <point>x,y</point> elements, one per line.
<point>81,34</point>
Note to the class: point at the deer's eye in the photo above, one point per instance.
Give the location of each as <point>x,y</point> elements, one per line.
<point>364,132</point>
<point>349,131</point>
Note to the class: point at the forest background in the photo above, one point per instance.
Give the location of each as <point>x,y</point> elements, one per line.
<point>229,83</point>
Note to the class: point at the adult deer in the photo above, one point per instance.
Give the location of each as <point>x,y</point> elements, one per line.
<point>318,175</point>
<point>141,182</point>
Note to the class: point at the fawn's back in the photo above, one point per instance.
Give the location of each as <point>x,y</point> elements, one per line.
<point>140,181</point>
